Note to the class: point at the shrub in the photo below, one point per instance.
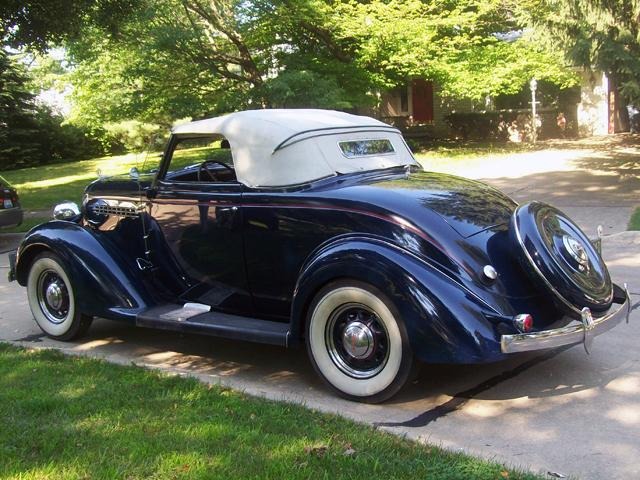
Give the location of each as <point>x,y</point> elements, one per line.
<point>514,125</point>
<point>42,137</point>
<point>479,125</point>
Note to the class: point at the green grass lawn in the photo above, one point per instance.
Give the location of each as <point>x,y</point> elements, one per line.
<point>76,418</point>
<point>25,226</point>
<point>40,188</point>
<point>456,149</point>
<point>442,156</point>
<point>634,222</point>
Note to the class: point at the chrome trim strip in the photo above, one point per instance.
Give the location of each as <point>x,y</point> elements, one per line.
<point>573,334</point>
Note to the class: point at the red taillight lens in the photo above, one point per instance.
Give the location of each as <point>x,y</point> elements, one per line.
<point>8,198</point>
<point>523,322</point>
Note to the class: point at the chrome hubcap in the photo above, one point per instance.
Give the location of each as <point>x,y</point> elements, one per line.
<point>357,341</point>
<point>53,296</point>
<point>576,250</point>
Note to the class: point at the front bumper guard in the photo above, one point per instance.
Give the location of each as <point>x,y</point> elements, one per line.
<point>582,332</point>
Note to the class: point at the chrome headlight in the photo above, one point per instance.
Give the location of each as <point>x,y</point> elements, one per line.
<point>65,211</point>
<point>96,211</point>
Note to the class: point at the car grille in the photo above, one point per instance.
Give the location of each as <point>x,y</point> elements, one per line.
<point>117,210</point>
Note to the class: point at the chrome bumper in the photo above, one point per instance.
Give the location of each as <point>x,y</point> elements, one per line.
<point>582,332</point>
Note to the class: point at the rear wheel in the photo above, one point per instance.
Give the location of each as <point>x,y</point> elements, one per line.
<point>357,342</point>
<point>52,299</point>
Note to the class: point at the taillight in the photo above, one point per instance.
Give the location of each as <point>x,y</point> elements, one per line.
<point>523,322</point>
<point>8,198</point>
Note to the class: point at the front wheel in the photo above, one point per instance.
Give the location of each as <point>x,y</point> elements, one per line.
<point>357,342</point>
<point>52,299</point>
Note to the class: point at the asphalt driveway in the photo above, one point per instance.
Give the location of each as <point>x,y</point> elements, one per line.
<point>562,411</point>
<point>596,181</point>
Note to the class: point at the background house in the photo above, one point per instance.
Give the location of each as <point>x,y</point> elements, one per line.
<point>419,109</point>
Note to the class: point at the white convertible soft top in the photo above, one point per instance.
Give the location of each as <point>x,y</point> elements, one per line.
<point>274,148</point>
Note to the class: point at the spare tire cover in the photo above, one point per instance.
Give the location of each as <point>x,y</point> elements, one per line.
<point>560,258</point>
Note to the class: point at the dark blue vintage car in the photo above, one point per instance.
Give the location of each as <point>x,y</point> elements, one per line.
<point>317,227</point>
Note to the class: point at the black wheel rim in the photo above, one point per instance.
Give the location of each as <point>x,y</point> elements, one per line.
<point>53,296</point>
<point>357,341</point>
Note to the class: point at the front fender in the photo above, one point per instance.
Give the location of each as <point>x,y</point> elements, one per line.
<point>446,323</point>
<point>106,285</point>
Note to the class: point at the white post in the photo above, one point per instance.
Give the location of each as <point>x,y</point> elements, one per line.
<point>533,84</point>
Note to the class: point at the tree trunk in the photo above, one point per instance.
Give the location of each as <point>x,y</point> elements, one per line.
<point>618,113</point>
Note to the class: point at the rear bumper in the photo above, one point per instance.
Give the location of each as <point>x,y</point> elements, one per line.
<point>10,217</point>
<point>579,332</point>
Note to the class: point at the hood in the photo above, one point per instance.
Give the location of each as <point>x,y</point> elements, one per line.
<point>119,185</point>
<point>465,205</point>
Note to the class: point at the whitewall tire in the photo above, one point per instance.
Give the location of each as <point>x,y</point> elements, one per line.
<point>52,299</point>
<point>357,342</point>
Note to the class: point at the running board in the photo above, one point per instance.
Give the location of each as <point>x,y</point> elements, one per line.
<point>188,319</point>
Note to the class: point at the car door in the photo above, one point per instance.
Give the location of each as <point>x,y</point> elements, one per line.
<point>197,210</point>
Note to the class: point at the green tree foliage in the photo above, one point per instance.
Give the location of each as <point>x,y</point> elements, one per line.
<point>38,23</point>
<point>18,124</point>
<point>176,58</point>
<point>154,61</point>
<point>179,58</point>
<point>31,134</point>
<point>468,46</point>
<point>598,35</point>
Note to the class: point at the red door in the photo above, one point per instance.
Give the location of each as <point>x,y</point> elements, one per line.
<point>422,93</point>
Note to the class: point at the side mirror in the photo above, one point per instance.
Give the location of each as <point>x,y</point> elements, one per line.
<point>66,211</point>
<point>134,173</point>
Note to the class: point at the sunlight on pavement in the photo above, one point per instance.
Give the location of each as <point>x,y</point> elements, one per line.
<point>510,166</point>
<point>160,357</point>
<point>629,385</point>
<point>627,415</point>
<point>83,347</point>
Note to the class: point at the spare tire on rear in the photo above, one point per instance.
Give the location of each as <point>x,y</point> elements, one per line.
<point>560,258</point>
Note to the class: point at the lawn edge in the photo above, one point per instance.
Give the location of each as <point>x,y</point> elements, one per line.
<point>284,398</point>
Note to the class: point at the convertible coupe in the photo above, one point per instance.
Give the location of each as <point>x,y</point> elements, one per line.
<point>315,227</point>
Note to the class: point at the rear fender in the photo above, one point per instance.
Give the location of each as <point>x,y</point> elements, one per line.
<point>106,284</point>
<point>445,322</point>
